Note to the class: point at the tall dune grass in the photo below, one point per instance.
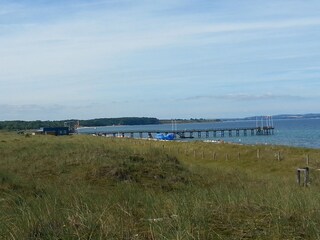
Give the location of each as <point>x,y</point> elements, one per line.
<point>85,187</point>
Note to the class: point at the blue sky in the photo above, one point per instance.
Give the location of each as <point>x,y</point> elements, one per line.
<point>166,59</point>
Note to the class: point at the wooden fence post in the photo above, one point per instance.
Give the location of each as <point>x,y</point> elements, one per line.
<point>214,155</point>
<point>305,177</point>
<point>298,176</point>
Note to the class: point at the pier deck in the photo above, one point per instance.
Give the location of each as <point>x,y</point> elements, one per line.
<point>194,133</point>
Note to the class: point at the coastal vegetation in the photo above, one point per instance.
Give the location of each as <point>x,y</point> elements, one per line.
<point>97,122</point>
<point>17,125</point>
<point>86,187</point>
<point>24,125</point>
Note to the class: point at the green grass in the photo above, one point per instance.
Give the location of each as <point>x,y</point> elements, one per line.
<point>85,187</point>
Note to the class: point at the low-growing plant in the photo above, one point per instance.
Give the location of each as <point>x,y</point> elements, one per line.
<point>84,187</point>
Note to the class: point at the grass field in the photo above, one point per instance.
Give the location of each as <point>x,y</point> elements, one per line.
<point>85,187</point>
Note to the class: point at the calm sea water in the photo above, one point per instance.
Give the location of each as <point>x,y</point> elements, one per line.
<point>293,132</point>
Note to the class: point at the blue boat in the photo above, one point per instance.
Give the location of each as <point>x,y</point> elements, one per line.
<point>161,136</point>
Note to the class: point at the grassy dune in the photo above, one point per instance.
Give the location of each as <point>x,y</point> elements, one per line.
<point>85,187</point>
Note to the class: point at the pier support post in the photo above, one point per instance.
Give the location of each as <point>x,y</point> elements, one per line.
<point>219,132</point>
<point>207,134</point>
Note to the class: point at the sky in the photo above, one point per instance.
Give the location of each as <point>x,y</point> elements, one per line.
<point>81,59</point>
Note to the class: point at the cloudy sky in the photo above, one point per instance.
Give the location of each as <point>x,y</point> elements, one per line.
<point>160,58</point>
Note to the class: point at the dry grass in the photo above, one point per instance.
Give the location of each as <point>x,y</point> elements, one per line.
<point>84,187</point>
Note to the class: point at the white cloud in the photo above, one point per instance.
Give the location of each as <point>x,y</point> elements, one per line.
<point>64,48</point>
<point>89,51</point>
<point>245,97</point>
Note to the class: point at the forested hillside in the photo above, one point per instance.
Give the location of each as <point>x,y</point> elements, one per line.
<point>23,125</point>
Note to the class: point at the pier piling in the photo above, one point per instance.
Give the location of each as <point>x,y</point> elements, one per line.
<point>189,133</point>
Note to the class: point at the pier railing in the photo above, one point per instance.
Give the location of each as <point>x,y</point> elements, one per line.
<point>192,133</point>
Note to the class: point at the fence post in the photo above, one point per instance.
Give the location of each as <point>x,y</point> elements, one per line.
<point>305,177</point>
<point>298,176</point>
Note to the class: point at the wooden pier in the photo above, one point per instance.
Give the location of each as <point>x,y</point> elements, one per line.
<point>195,133</point>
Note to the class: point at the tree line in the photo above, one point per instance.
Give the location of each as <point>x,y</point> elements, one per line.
<point>25,125</point>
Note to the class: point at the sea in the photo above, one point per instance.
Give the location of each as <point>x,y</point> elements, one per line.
<point>290,132</point>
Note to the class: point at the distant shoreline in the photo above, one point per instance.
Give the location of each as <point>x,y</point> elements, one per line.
<point>17,125</point>
<point>167,121</point>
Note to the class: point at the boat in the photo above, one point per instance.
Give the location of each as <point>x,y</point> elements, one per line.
<point>168,137</point>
